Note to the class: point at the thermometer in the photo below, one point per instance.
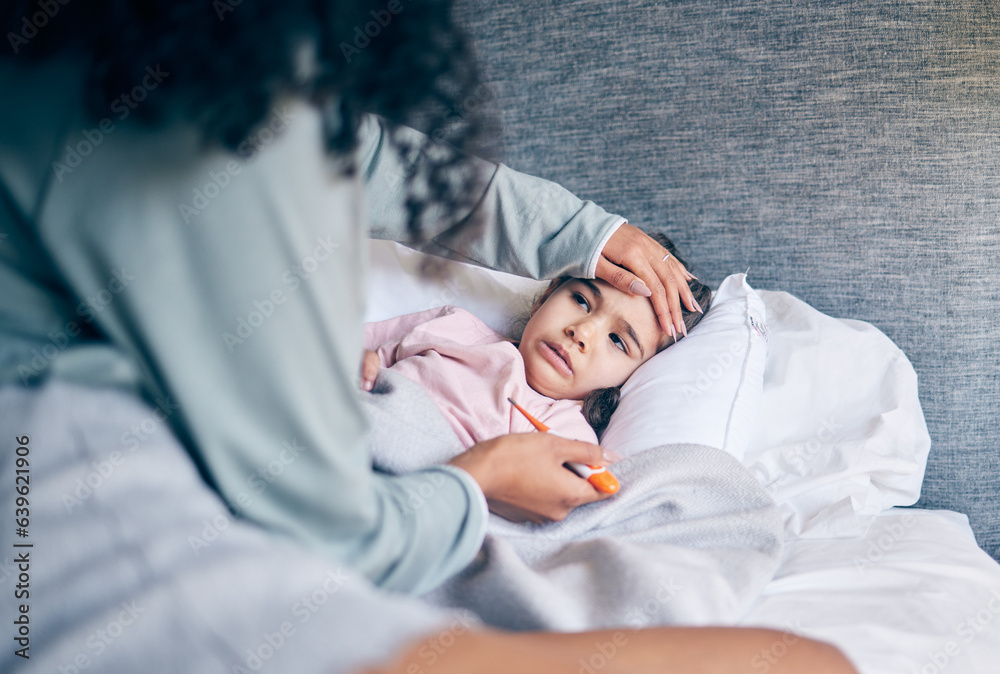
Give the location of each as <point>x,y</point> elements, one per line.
<point>599,476</point>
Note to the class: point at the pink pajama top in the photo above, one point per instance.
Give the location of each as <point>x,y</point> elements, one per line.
<point>470,370</point>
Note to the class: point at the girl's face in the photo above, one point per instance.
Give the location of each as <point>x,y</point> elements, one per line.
<point>587,335</point>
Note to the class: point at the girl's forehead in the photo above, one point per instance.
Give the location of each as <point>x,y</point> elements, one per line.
<point>606,291</point>
<point>636,310</point>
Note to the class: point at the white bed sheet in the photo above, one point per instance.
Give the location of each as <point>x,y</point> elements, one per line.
<point>915,594</point>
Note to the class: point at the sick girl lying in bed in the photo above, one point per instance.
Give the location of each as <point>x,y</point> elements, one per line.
<point>583,339</point>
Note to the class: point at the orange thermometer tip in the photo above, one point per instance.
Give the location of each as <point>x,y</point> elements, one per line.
<point>599,476</point>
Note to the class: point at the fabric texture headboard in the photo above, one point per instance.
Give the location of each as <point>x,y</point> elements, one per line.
<point>848,153</point>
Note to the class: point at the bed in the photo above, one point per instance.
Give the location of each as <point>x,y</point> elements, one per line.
<point>845,153</point>
<point>824,414</point>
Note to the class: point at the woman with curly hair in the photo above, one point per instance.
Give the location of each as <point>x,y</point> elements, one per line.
<point>185,191</point>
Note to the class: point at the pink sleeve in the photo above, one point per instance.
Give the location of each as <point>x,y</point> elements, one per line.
<point>384,336</point>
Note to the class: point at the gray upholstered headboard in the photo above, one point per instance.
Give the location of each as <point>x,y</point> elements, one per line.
<point>846,152</point>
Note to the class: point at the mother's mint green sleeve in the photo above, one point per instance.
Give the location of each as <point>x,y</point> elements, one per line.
<point>533,227</point>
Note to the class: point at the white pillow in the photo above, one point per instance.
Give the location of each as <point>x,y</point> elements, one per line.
<point>841,435</point>
<point>395,288</point>
<point>706,389</point>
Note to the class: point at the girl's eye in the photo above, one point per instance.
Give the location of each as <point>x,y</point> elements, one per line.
<point>619,342</point>
<point>581,300</point>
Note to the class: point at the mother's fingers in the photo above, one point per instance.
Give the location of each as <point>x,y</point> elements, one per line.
<point>631,255</point>
<point>523,477</point>
<point>688,276</point>
<point>647,284</point>
<point>668,267</point>
<point>673,274</point>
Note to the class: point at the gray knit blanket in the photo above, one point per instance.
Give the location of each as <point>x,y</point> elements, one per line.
<point>691,538</point>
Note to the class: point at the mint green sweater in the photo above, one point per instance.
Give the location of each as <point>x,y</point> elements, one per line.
<point>228,290</point>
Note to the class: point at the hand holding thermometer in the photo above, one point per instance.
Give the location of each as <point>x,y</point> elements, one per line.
<point>599,476</point>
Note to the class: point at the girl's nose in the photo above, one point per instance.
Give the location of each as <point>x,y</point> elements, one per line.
<point>581,333</point>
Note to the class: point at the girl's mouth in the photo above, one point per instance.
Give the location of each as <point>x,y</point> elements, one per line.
<point>557,355</point>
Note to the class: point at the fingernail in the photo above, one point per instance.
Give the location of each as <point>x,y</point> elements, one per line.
<point>639,288</point>
<point>684,329</point>
<point>673,333</point>
<point>367,385</point>
<point>697,306</point>
<point>611,456</point>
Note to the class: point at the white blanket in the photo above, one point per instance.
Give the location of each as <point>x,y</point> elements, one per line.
<point>691,538</point>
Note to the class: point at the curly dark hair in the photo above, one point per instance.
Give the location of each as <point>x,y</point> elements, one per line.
<point>230,60</point>
<point>601,403</point>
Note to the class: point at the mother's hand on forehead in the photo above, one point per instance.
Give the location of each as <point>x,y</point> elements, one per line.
<point>633,262</point>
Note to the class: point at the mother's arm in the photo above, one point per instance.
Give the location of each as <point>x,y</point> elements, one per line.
<point>658,650</point>
<point>531,227</point>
